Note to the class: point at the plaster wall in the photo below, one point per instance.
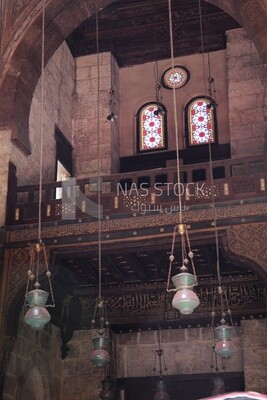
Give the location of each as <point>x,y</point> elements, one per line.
<point>137,86</point>
<point>59,78</point>
<point>238,74</point>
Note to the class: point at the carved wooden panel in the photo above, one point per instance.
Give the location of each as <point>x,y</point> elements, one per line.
<point>249,241</point>
<point>143,305</point>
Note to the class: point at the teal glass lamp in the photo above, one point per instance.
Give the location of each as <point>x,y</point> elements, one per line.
<point>37,315</point>
<point>100,357</point>
<point>224,346</point>
<point>185,299</point>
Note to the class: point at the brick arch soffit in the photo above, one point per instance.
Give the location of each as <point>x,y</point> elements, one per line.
<point>252,16</point>
<point>20,64</point>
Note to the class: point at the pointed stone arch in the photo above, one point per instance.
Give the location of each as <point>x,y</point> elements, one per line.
<point>252,16</point>
<point>21,60</point>
<point>35,386</point>
<point>246,244</point>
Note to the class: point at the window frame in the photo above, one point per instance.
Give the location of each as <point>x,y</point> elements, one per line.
<point>139,150</point>
<point>187,122</point>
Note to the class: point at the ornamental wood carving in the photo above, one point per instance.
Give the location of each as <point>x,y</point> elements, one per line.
<point>249,241</point>
<point>236,212</point>
<point>145,303</point>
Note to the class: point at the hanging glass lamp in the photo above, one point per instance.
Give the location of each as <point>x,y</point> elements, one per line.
<point>218,385</point>
<point>185,299</point>
<point>224,346</point>
<point>107,392</point>
<point>100,356</point>
<point>161,393</point>
<point>37,315</point>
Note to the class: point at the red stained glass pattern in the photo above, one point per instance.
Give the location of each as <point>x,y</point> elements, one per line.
<point>175,77</point>
<point>201,122</point>
<point>151,129</point>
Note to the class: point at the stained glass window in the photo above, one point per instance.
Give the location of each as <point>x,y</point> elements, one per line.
<point>175,77</point>
<point>201,118</point>
<point>152,119</point>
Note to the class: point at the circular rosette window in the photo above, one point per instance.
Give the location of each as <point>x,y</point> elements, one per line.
<point>175,77</point>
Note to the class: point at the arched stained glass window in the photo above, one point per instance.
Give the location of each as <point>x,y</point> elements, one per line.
<point>151,127</point>
<point>200,121</point>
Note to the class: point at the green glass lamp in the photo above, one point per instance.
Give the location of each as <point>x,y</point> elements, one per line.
<point>185,299</point>
<point>224,346</point>
<point>37,315</point>
<point>100,357</point>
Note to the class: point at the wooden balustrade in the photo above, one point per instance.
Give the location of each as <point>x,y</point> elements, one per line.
<point>132,192</point>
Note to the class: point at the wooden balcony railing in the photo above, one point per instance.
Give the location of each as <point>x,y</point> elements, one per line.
<point>139,191</point>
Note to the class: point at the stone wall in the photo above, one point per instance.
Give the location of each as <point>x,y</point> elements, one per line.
<point>254,346</point>
<point>36,359</point>
<point>80,378</point>
<point>35,366</point>
<point>245,95</point>
<point>86,118</point>
<point>186,351</point>
<point>137,87</point>
<point>240,65</point>
<point>59,75</point>
<point>4,167</point>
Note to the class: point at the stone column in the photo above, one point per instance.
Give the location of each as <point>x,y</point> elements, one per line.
<point>85,120</point>
<point>246,95</point>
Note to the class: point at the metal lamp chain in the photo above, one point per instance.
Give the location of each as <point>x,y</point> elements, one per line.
<point>98,159</point>
<point>210,156</point>
<point>175,112</point>
<point>42,126</point>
